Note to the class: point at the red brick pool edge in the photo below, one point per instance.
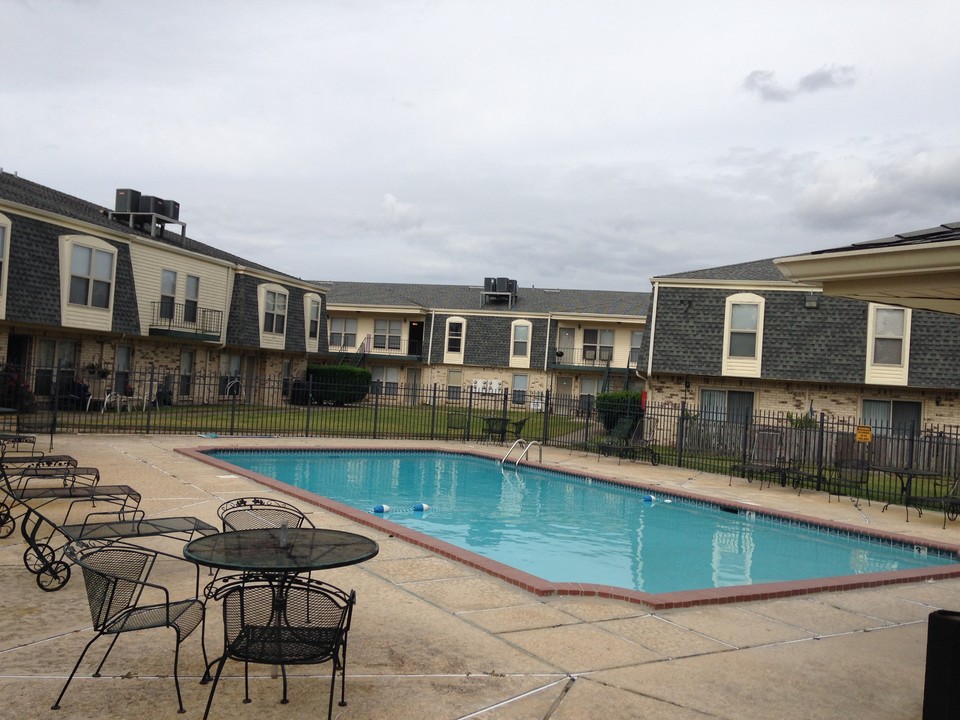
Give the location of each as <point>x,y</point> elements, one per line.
<point>542,588</point>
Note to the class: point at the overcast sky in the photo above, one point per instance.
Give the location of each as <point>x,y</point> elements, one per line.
<point>563,143</point>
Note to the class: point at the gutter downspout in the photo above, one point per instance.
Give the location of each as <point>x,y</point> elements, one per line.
<point>653,330</point>
<point>433,317</point>
<point>546,346</point>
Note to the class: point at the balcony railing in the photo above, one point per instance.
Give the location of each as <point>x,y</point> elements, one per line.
<point>598,356</point>
<point>186,321</point>
<point>380,345</point>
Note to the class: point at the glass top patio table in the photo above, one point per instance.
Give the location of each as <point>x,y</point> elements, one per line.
<point>281,550</point>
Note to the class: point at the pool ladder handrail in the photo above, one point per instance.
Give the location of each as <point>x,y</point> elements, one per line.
<point>525,445</point>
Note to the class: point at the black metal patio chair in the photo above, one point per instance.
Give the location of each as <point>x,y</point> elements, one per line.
<point>284,620</point>
<point>122,600</point>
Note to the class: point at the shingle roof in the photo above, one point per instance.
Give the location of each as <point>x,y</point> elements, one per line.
<point>24,192</point>
<point>466,297</point>
<point>941,233</point>
<point>754,271</point>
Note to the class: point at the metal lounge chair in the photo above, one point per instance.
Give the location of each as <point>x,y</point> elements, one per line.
<point>284,620</point>
<point>764,459</point>
<point>118,590</point>
<point>617,437</point>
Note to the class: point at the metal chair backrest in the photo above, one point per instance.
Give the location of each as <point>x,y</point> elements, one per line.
<point>766,447</point>
<point>113,577</point>
<point>311,628</point>
<point>253,513</point>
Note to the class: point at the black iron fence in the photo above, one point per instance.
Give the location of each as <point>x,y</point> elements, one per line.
<point>66,400</point>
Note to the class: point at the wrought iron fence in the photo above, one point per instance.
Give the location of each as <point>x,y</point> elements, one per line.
<point>68,400</point>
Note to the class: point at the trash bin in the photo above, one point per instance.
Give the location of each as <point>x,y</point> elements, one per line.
<point>941,691</point>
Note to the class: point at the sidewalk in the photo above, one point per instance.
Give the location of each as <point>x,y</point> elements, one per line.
<point>434,639</point>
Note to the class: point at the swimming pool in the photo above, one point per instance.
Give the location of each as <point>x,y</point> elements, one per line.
<point>571,529</point>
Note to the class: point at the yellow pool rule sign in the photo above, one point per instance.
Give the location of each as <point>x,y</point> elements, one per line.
<point>864,434</point>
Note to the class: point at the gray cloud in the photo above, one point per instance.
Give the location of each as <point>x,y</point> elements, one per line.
<point>764,83</point>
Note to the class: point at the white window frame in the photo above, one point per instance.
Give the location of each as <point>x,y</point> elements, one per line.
<point>387,334</point>
<point>191,299</point>
<point>342,329</point>
<point>879,373</point>
<point>518,389</point>
<point>454,357</point>
<point>520,346</point>
<point>739,365</point>
<point>92,275</point>
<point>75,315</point>
<point>275,311</point>
<point>454,384</point>
<point>168,294</point>
<point>312,315</point>
<point>600,349</point>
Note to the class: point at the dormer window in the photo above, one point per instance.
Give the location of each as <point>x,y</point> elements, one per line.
<point>91,276</point>
<point>743,335</point>
<point>275,312</point>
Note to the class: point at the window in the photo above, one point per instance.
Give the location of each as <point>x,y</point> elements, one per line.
<point>122,367</point>
<point>168,293</point>
<point>454,384</point>
<point>386,334</point>
<point>275,312</point>
<point>386,380</point>
<point>743,330</point>
<point>899,416</point>
<point>56,363</point>
<point>636,340</point>
<point>728,406</point>
<point>519,389</point>
<point>314,329</point>
<point>521,339</point>
<point>191,302</point>
<point>888,345</point>
<point>455,337</point>
<point>343,332</point>
<point>888,336</point>
<point>743,335</point>
<point>597,344</point>
<point>187,363</point>
<point>91,276</point>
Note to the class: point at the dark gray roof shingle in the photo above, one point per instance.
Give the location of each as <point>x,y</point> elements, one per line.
<point>466,297</point>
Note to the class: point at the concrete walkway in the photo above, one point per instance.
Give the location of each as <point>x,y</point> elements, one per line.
<point>434,639</point>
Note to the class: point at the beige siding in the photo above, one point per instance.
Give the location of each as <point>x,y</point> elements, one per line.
<point>149,262</point>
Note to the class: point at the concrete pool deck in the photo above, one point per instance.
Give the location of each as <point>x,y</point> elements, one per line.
<point>433,638</point>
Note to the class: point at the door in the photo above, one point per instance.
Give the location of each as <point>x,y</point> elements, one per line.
<point>566,340</point>
<point>415,342</point>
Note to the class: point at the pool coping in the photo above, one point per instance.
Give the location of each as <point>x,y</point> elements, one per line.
<point>543,588</point>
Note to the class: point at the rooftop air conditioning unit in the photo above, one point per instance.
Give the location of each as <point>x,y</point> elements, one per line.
<point>171,209</point>
<point>128,201</point>
<point>151,204</point>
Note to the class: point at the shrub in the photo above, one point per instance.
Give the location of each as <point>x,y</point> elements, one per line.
<point>338,384</point>
<point>611,406</point>
<point>14,392</point>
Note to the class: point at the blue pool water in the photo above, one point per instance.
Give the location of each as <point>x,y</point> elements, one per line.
<point>566,528</point>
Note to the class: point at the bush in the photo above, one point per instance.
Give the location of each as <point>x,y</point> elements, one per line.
<point>14,392</point>
<point>611,406</point>
<point>338,384</point>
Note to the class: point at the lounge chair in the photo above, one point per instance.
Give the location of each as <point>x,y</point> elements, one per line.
<point>764,459</point>
<point>636,445</point>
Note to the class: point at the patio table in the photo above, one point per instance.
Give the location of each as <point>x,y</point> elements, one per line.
<point>905,475</point>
